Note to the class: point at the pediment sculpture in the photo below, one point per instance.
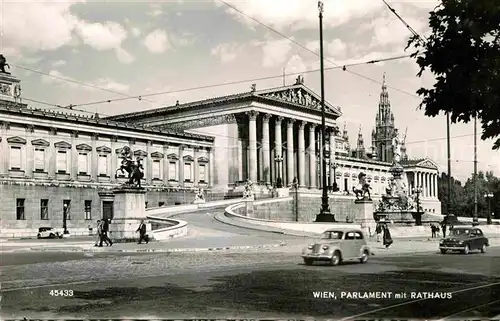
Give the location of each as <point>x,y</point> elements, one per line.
<point>296,96</point>
<point>427,164</point>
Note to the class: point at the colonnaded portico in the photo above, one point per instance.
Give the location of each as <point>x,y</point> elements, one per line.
<point>274,135</point>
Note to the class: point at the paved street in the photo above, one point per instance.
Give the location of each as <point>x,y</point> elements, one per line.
<point>249,284</point>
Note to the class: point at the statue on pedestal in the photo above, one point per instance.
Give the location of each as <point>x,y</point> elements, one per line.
<point>396,147</point>
<point>362,189</point>
<point>135,171</point>
<point>200,196</point>
<point>3,64</point>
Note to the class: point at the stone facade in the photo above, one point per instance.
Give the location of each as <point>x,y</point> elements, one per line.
<point>49,158</point>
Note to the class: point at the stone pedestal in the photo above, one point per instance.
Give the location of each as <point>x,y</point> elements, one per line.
<point>364,215</point>
<point>199,201</point>
<point>129,210</point>
<point>249,207</point>
<point>283,192</point>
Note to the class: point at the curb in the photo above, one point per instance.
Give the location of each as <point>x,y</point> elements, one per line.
<point>166,250</point>
<point>223,219</point>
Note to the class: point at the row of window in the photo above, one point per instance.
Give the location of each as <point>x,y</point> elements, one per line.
<point>103,164</point>
<point>44,209</point>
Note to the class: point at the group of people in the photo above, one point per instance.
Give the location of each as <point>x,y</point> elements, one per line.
<point>102,233</point>
<point>382,231</point>
<point>103,229</point>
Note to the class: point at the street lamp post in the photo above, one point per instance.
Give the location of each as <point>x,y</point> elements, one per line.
<point>324,215</point>
<point>65,218</point>
<point>488,196</point>
<point>334,166</point>
<point>418,219</point>
<point>278,159</point>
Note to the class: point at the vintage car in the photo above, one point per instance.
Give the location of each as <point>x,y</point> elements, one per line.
<point>464,239</point>
<point>49,232</point>
<point>336,246</point>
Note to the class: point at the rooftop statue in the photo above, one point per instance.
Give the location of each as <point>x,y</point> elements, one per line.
<point>3,64</point>
<point>135,170</point>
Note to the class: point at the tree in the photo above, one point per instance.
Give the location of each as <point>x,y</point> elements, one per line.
<point>457,195</point>
<point>486,183</point>
<point>463,52</point>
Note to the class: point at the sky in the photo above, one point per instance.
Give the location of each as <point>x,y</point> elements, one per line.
<point>101,55</point>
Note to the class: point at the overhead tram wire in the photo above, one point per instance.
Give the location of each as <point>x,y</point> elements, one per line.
<point>236,82</point>
<point>82,83</point>
<point>312,51</point>
<point>405,23</point>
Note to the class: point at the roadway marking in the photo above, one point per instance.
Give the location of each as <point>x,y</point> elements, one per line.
<point>413,301</point>
<point>469,309</point>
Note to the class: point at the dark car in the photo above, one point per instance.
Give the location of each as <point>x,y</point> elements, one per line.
<point>464,239</point>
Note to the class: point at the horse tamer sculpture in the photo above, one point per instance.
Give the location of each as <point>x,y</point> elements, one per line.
<point>363,188</point>
<point>134,170</point>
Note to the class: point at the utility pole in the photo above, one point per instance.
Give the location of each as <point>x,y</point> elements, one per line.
<point>284,78</point>
<point>324,215</point>
<point>448,203</point>
<point>475,167</point>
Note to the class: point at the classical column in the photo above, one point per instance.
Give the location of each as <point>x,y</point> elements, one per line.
<point>289,150</point>
<point>266,149</point>
<point>94,162</point>
<point>435,186</point>
<point>252,140</point>
<point>301,169</point>
<point>30,167</point>
<point>278,146</point>
<point>426,182</point>
<point>74,156</point>
<point>181,165</point>
<point>332,157</point>
<point>52,153</point>
<point>165,164</point>
<point>114,158</point>
<point>211,166</point>
<point>312,156</point>
<point>4,161</point>
<point>196,167</point>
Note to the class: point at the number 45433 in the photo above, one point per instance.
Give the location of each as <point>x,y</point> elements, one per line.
<point>61,292</point>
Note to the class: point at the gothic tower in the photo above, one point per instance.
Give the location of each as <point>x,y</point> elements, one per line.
<point>384,127</point>
<point>360,148</point>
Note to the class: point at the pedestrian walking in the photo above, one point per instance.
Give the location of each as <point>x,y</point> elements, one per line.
<point>98,233</point>
<point>142,233</point>
<point>443,226</point>
<point>387,239</point>
<point>378,231</point>
<point>433,230</point>
<point>104,233</point>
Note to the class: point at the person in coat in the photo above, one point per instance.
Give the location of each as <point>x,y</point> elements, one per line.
<point>387,239</point>
<point>142,233</point>
<point>378,230</point>
<point>104,233</point>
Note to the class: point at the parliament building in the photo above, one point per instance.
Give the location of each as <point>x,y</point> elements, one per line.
<point>55,161</point>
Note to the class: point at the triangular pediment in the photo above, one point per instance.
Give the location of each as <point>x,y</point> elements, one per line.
<point>140,153</point>
<point>428,163</point>
<point>156,155</point>
<point>40,142</point>
<point>172,156</point>
<point>16,140</point>
<point>62,144</point>
<point>84,147</point>
<point>103,149</point>
<point>202,159</point>
<point>188,158</point>
<point>299,95</point>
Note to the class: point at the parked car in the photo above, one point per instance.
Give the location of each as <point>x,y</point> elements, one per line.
<point>49,232</point>
<point>464,239</point>
<point>336,246</point>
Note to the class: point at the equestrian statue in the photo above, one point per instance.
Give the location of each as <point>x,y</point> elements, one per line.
<point>135,170</point>
<point>363,188</point>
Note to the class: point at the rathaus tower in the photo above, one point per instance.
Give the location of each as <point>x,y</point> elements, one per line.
<point>384,127</point>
